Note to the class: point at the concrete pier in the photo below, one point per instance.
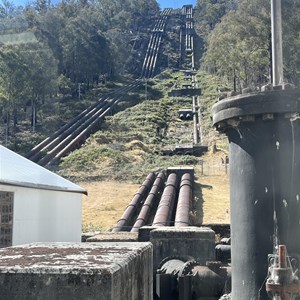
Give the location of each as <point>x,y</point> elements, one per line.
<point>86,271</point>
<point>196,243</point>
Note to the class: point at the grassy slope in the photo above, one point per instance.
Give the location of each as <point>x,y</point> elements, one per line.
<point>116,159</point>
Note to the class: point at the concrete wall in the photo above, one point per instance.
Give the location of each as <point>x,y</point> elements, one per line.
<point>45,216</point>
<point>86,271</point>
<point>198,243</point>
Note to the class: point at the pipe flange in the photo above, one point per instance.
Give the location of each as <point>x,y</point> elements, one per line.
<point>187,268</point>
<point>171,257</point>
<point>160,265</point>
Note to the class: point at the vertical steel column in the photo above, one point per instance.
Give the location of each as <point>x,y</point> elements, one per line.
<point>277,60</point>
<point>263,130</point>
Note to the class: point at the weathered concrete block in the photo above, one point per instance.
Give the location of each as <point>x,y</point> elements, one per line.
<point>144,233</point>
<point>122,236</point>
<point>195,242</point>
<point>66,271</point>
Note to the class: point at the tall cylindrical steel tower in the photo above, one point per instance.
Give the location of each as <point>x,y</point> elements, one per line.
<point>263,130</point>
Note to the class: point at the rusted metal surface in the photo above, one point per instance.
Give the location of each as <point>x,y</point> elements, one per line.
<point>282,256</point>
<point>165,208</point>
<point>187,277</point>
<point>182,217</point>
<point>282,283</point>
<point>144,214</point>
<point>135,203</point>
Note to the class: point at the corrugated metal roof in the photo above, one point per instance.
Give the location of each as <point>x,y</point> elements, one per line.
<point>19,171</point>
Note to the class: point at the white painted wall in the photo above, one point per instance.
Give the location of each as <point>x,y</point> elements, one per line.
<point>45,216</point>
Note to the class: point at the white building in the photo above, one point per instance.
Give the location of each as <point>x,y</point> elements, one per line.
<point>36,205</point>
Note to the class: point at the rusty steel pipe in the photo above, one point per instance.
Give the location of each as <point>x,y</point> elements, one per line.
<point>166,204</point>
<point>134,204</point>
<point>149,202</point>
<point>182,217</point>
<point>282,256</point>
<point>205,282</point>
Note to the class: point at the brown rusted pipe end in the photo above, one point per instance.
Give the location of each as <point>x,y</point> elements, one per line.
<point>282,256</point>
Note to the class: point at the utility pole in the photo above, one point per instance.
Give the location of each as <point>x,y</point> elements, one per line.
<point>277,60</point>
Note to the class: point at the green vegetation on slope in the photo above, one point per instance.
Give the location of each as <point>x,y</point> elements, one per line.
<point>129,144</point>
<point>49,52</point>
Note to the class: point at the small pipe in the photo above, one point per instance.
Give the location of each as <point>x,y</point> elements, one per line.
<point>282,256</point>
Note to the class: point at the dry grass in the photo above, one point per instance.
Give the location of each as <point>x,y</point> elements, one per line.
<point>105,203</point>
<point>212,190</point>
<point>215,191</point>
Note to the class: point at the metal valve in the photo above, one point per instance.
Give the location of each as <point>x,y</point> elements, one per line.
<point>282,283</point>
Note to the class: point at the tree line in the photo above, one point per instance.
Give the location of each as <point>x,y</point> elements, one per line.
<point>237,37</point>
<point>46,49</point>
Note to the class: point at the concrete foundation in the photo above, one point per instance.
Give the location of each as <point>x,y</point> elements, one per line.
<point>197,243</point>
<point>86,271</point>
<point>114,237</point>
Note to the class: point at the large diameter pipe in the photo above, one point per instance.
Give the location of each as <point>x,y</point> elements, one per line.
<point>264,182</point>
<point>166,204</point>
<point>131,209</point>
<point>144,214</point>
<point>277,60</point>
<point>206,282</point>
<point>182,217</point>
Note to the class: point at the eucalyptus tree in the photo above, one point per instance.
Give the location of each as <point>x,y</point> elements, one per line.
<point>42,75</point>
<point>291,40</point>
<point>86,52</point>
<point>210,12</point>
<point>13,85</point>
<point>239,46</point>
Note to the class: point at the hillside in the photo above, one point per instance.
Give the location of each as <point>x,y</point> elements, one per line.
<point>130,143</point>
<point>49,74</point>
<point>116,159</point>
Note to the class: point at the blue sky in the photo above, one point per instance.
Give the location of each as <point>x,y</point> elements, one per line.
<point>175,3</point>
<point>163,3</point>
